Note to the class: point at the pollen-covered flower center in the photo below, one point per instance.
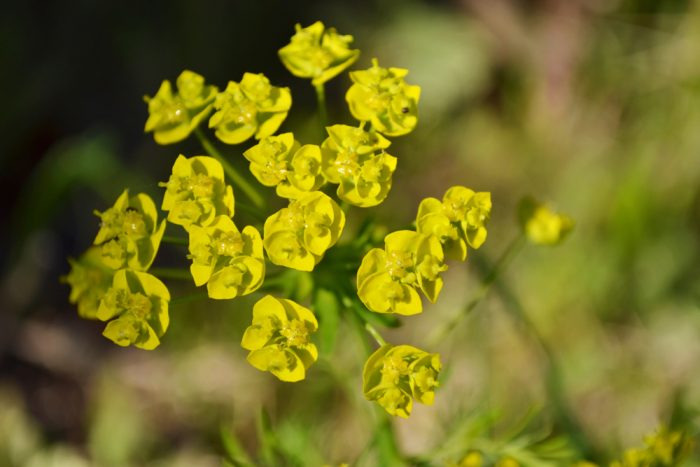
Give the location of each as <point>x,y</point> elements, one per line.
<point>172,111</point>
<point>243,113</point>
<point>139,305</point>
<point>201,185</point>
<point>296,333</point>
<point>394,367</point>
<point>228,244</point>
<point>399,264</point>
<point>346,163</point>
<point>134,224</point>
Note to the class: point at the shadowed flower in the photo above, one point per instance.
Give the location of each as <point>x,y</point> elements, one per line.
<point>279,338</point>
<point>136,306</point>
<point>230,262</point>
<point>395,375</point>
<point>129,234</point>
<point>89,279</point>
<point>173,116</point>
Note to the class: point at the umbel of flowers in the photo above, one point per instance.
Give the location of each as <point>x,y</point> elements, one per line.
<point>113,281</point>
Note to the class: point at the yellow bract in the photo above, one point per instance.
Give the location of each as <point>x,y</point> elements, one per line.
<point>230,262</point>
<point>458,221</point>
<point>388,280</point>
<point>250,108</point>
<point>355,159</point>
<point>395,375</point>
<point>196,192</point>
<point>382,97</point>
<point>543,226</point>
<point>282,162</point>
<point>173,116</point>
<point>136,306</point>
<point>318,53</point>
<point>279,338</point>
<point>129,234</point>
<point>89,279</point>
<point>298,236</point>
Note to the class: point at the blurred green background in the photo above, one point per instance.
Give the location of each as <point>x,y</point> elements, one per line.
<point>590,105</point>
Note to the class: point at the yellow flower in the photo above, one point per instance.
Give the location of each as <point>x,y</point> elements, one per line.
<point>472,459</point>
<point>230,262</point>
<point>279,338</point>
<point>395,375</point>
<point>282,162</point>
<point>129,234</point>
<point>458,221</point>
<point>382,97</point>
<point>89,279</point>
<point>298,236</point>
<point>543,226</point>
<point>250,108</point>
<point>196,192</point>
<point>388,280</point>
<point>136,306</point>
<point>318,53</point>
<point>172,117</point>
<point>355,159</point>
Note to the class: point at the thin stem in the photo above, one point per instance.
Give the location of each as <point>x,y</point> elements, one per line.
<point>171,273</point>
<point>174,240</point>
<point>321,99</point>
<point>374,333</point>
<point>503,261</point>
<point>239,181</point>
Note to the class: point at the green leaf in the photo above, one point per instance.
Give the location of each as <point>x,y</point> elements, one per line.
<point>236,455</point>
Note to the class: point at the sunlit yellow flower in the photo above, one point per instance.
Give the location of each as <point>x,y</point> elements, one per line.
<point>250,108</point>
<point>129,234</point>
<point>395,375</point>
<point>388,279</point>
<point>136,306</point>
<point>298,236</point>
<point>173,116</point>
<point>458,221</point>
<point>279,339</point>
<point>282,162</point>
<point>318,53</point>
<point>230,262</point>
<point>355,159</point>
<point>196,192</point>
<point>663,448</point>
<point>543,226</point>
<point>382,97</point>
<point>89,279</point>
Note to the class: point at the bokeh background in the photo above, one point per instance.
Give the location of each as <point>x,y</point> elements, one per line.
<point>590,105</point>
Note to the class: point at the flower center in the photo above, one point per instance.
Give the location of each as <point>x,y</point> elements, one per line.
<point>296,333</point>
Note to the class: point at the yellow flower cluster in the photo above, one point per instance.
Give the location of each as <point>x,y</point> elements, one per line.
<point>252,107</point>
<point>458,221</point>
<point>388,279</point>
<point>108,282</point>
<point>173,116</point>
<point>196,192</point>
<point>395,375</point>
<point>279,338</point>
<point>665,448</point>
<point>129,233</point>
<point>298,236</point>
<point>282,162</point>
<point>318,53</point>
<point>382,97</point>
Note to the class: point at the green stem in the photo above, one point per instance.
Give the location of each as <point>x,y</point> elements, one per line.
<point>374,333</point>
<point>503,261</point>
<point>184,299</point>
<point>171,273</point>
<point>239,181</point>
<point>322,113</point>
<point>174,240</point>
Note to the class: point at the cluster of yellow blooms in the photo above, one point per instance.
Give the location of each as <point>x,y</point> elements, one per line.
<point>110,281</point>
